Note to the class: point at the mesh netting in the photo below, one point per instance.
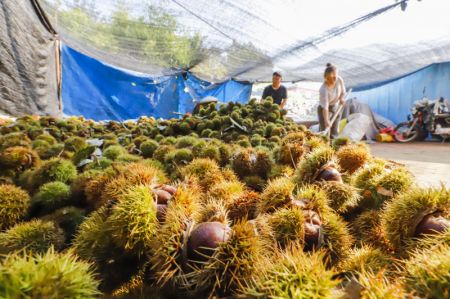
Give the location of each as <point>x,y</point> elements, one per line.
<point>247,40</point>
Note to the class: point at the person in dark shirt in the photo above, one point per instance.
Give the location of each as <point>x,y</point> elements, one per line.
<point>277,91</point>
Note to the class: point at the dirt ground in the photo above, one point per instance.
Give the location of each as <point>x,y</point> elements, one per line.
<point>428,161</point>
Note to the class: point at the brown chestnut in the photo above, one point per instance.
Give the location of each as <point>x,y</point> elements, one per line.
<point>204,238</point>
<point>162,196</point>
<point>172,190</point>
<point>330,174</point>
<point>432,224</point>
<point>161,212</point>
<point>312,217</point>
<point>312,235</point>
<point>312,229</point>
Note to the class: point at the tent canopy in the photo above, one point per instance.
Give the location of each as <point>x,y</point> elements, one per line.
<point>246,40</point>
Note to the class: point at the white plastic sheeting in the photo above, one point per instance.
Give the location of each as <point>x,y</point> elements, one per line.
<point>357,126</point>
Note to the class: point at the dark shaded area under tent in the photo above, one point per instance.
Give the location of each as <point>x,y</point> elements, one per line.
<point>28,82</point>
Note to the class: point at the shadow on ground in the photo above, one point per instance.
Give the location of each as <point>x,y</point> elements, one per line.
<point>428,161</point>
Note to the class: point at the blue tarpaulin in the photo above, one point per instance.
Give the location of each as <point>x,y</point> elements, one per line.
<point>192,90</point>
<point>393,99</point>
<point>100,91</point>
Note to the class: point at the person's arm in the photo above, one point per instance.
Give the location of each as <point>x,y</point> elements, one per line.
<point>342,95</point>
<point>326,117</point>
<point>284,100</point>
<point>323,102</point>
<point>265,94</point>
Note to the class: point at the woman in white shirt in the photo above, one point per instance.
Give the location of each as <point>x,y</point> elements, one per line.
<point>331,92</point>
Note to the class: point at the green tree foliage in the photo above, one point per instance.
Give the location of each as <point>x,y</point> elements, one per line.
<point>149,33</point>
<point>154,37</point>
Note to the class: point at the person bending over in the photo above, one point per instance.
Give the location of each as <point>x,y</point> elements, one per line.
<point>332,92</point>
